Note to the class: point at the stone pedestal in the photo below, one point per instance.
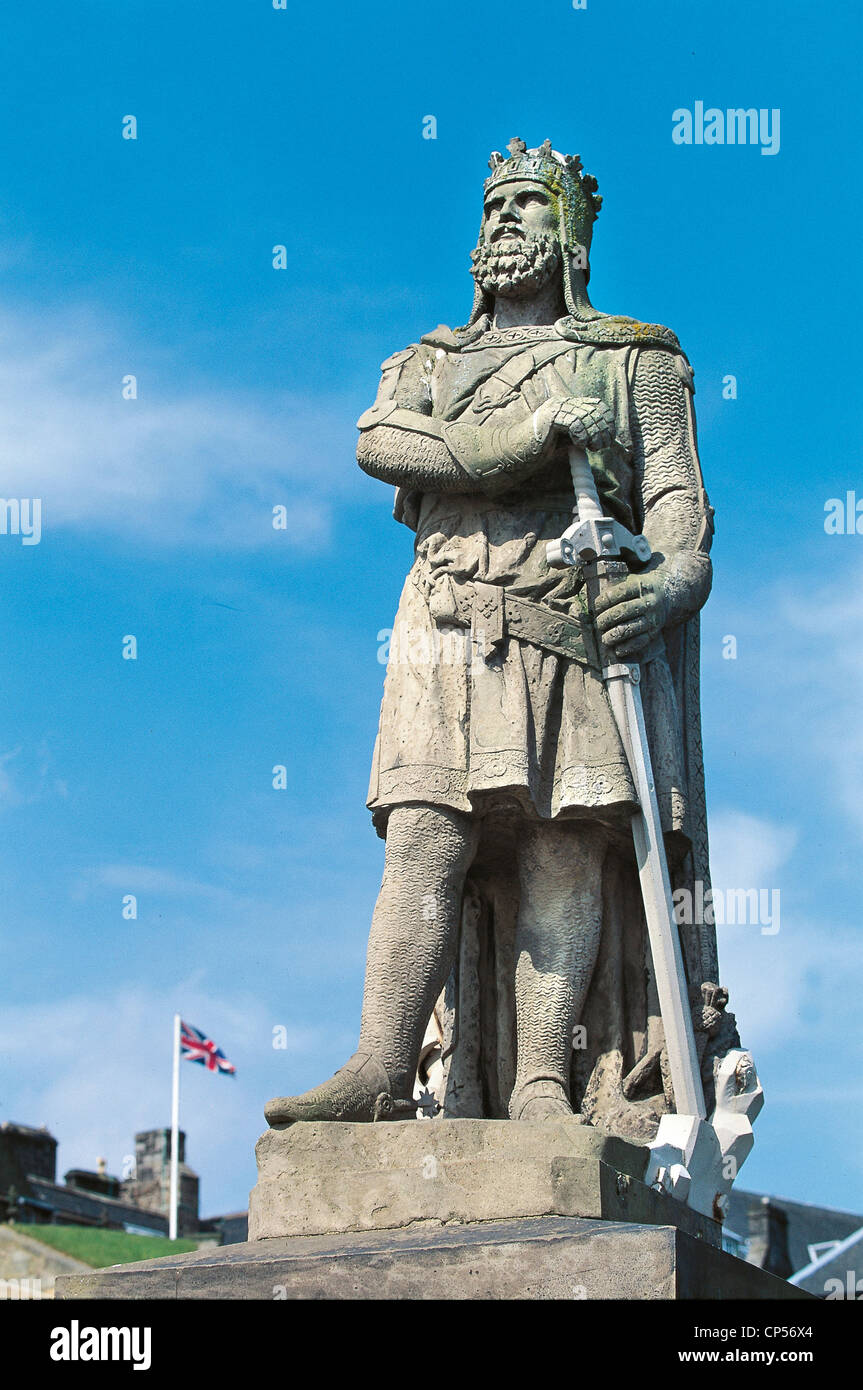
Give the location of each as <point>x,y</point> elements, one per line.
<point>455,1209</point>
<point>547,1257</point>
<point>320,1179</point>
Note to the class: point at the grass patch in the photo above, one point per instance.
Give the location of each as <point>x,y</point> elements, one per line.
<point>98,1248</point>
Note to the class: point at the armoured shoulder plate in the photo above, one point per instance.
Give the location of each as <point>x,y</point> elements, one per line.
<point>376,414</point>
<point>391,413</point>
<point>616,330</point>
<point>441,337</point>
<point>396,359</point>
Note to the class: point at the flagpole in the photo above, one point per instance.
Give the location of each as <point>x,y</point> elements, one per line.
<point>175,1135</point>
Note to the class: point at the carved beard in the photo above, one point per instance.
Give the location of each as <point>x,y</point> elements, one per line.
<point>517,266</point>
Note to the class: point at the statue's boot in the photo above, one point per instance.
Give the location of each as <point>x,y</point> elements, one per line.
<point>349,1095</point>
<point>542,1098</point>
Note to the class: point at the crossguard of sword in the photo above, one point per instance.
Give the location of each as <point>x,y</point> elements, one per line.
<point>592,536</point>
<point>604,539</point>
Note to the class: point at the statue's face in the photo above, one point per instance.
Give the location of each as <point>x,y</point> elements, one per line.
<point>521,248</point>
<point>514,211</point>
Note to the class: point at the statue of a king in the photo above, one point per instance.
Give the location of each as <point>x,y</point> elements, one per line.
<point>508,961</point>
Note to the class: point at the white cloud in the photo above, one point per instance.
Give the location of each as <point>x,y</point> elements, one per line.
<point>95,1069</point>
<point>792,989</point>
<point>828,627</point>
<point>9,794</point>
<point>31,779</point>
<point>143,878</point>
<point>747,851</point>
<point>795,723</point>
<point>765,981</point>
<point>784,987</point>
<point>800,665</point>
<point>182,463</point>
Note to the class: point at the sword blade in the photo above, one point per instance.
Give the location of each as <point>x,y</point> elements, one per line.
<point>625,698</point>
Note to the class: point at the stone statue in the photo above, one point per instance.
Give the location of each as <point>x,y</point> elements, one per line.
<point>508,958</point>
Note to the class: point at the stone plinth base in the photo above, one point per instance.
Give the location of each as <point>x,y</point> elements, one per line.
<point>455,1209</point>
<point>532,1258</point>
<point>320,1179</point>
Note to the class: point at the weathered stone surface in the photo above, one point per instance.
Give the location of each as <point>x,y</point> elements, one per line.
<point>534,1258</point>
<point>319,1178</point>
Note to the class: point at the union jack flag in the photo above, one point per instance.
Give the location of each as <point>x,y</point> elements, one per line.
<point>195,1046</point>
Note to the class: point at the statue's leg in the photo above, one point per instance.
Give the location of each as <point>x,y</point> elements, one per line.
<point>412,945</point>
<point>557,938</point>
<point>414,933</point>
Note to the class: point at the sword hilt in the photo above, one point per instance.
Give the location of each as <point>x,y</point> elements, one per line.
<point>584,485</point>
<point>592,536</point>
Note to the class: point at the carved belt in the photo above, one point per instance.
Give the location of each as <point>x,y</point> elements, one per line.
<point>493,613</point>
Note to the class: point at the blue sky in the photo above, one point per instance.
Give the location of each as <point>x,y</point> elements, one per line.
<point>256,647</point>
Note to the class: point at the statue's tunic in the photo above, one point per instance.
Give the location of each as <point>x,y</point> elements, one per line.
<point>475,717</point>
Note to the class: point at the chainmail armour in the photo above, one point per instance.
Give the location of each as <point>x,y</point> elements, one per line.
<point>557,938</point>
<point>673,502</point>
<point>410,460</point>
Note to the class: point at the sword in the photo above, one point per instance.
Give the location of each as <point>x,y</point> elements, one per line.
<point>605,550</point>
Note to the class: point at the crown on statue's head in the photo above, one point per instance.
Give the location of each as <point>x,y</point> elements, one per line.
<point>563,174</point>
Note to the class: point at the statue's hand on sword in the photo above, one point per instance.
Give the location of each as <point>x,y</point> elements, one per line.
<point>631,613</point>
<point>586,420</point>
